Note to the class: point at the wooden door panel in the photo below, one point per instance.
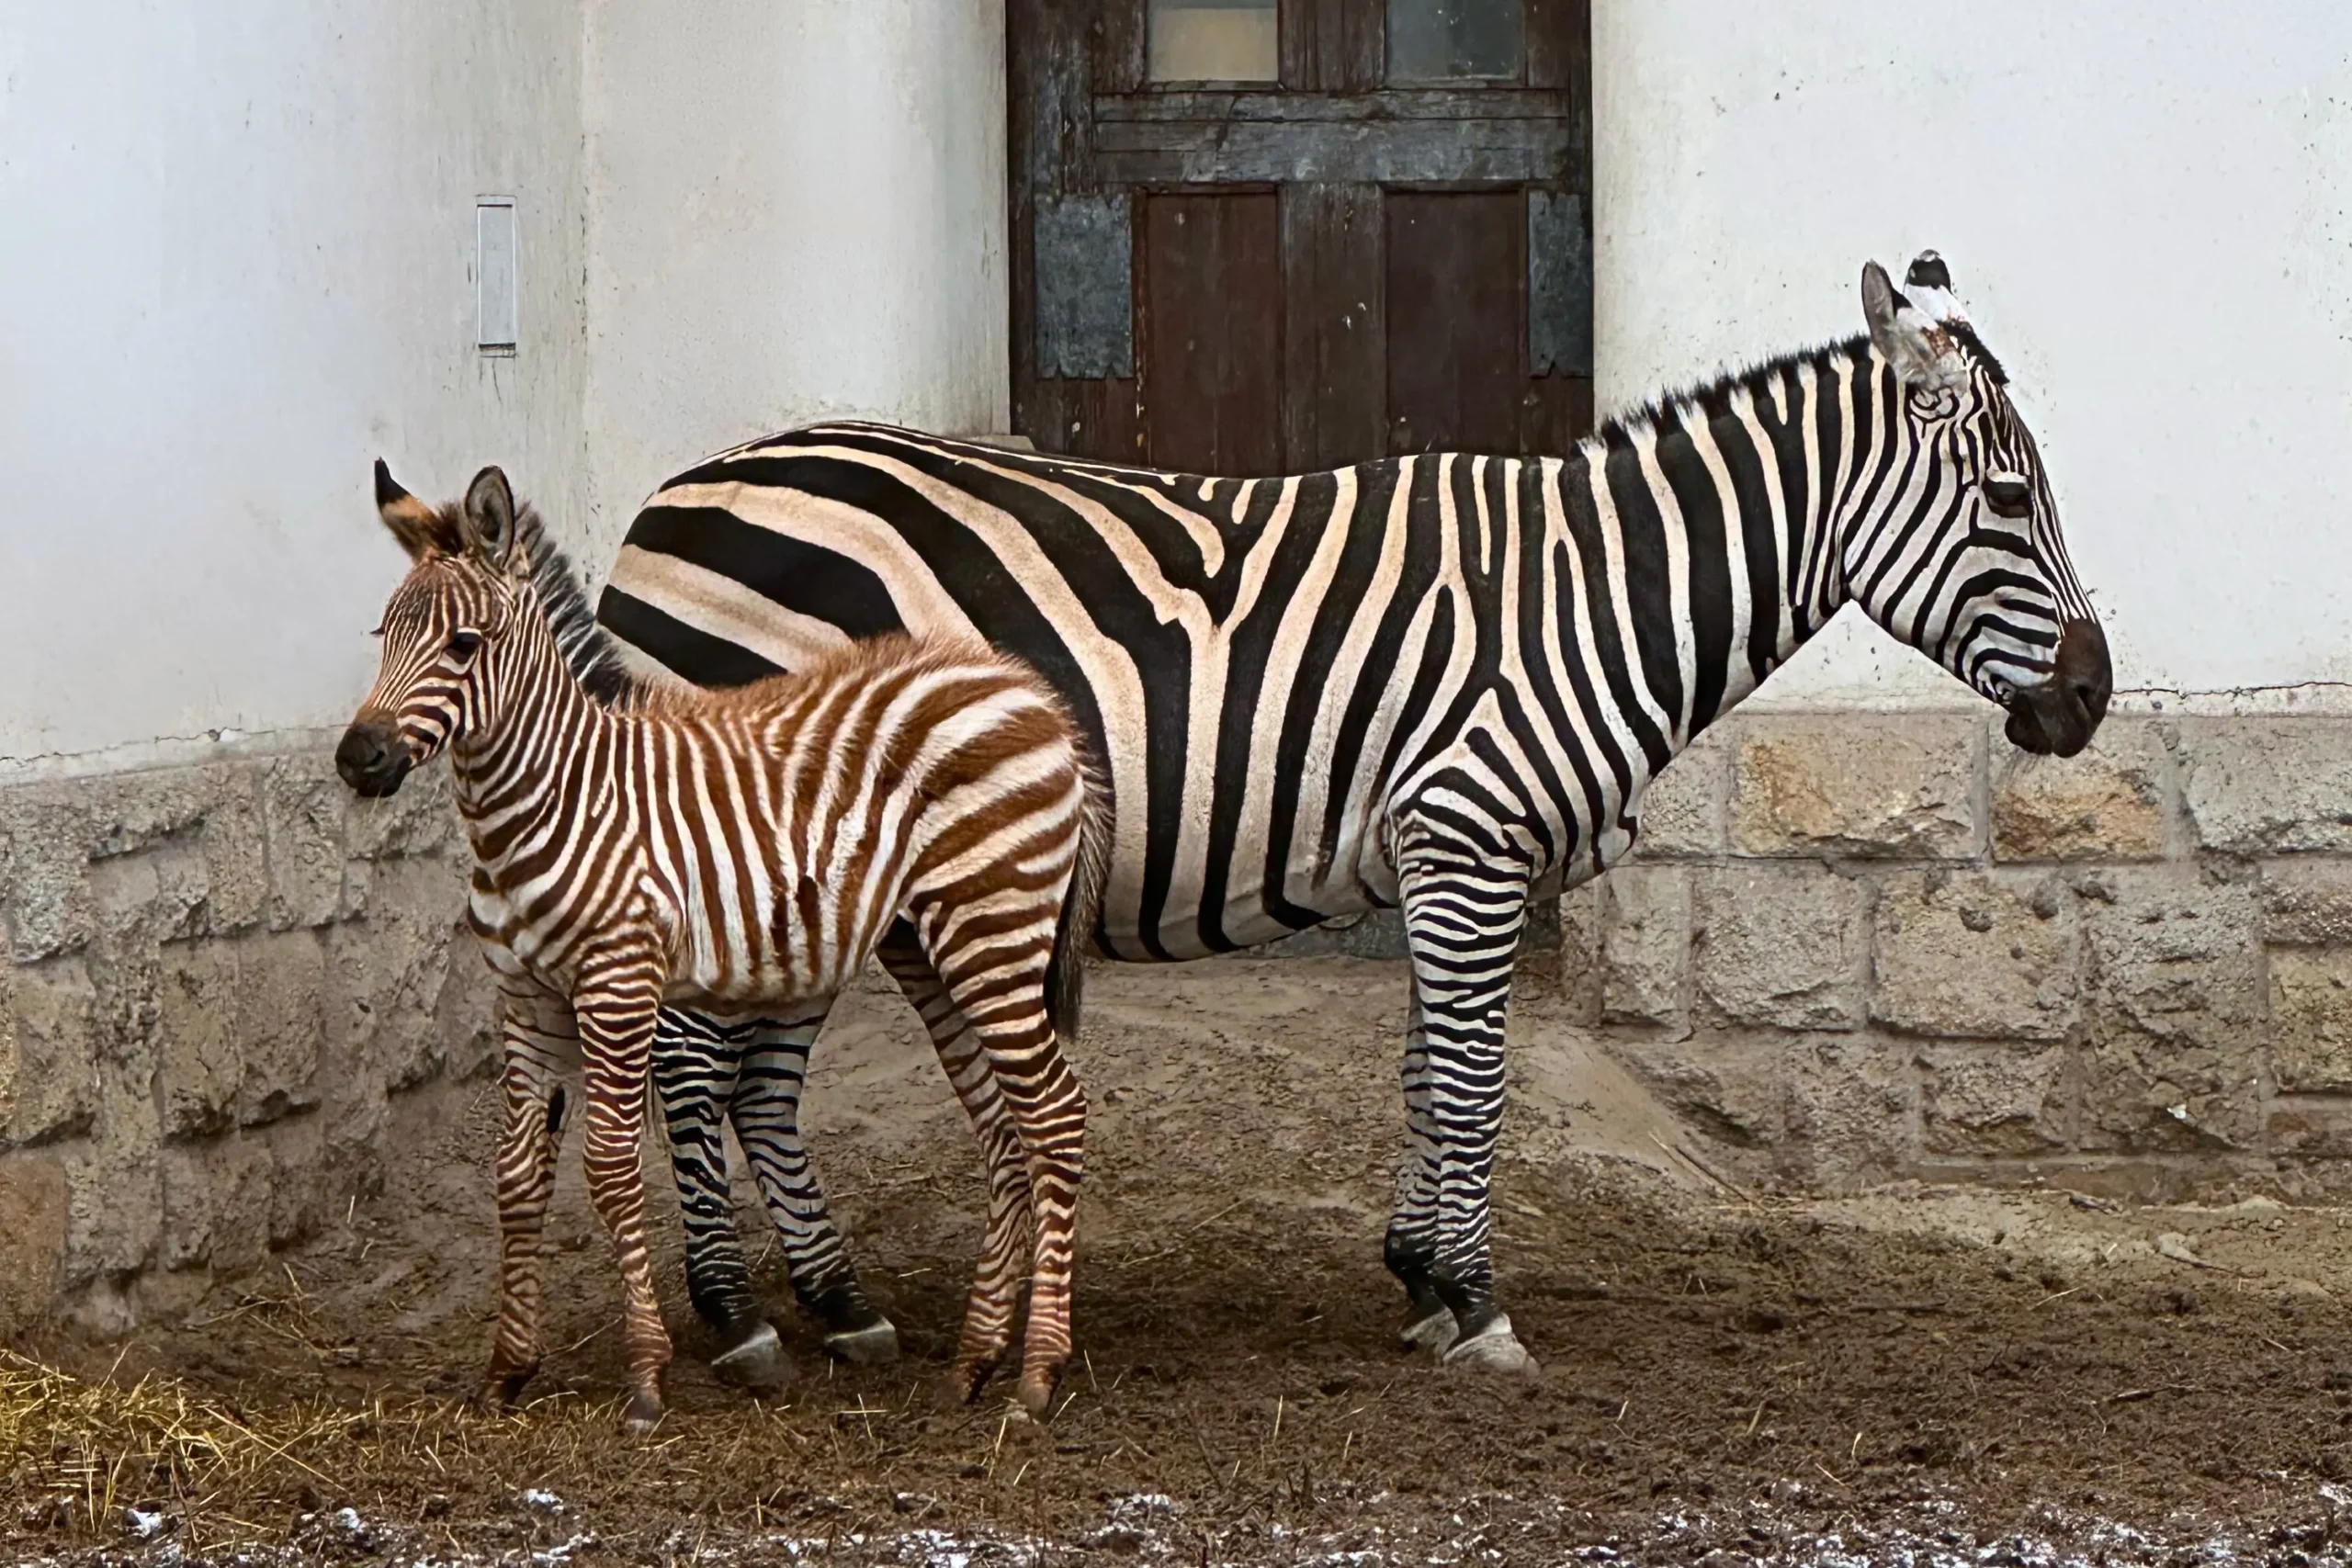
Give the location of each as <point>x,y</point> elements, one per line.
<point>1331,46</point>
<point>1211,319</point>
<point>1457,321</point>
<point>1335,361</point>
<point>1351,273</point>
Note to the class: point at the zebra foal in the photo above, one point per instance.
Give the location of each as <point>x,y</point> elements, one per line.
<point>733,851</point>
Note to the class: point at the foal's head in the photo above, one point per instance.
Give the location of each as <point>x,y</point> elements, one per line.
<point>444,631</point>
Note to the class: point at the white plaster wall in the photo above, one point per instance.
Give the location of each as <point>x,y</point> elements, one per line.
<point>2148,206</point>
<point>797,212</point>
<point>235,253</point>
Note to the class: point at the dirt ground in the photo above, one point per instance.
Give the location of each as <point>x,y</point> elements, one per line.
<point>1921,1375</point>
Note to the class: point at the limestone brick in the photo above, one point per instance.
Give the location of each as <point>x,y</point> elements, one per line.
<point>1868,786</point>
<point>1975,955</point>
<point>2108,804</point>
<point>1780,946</point>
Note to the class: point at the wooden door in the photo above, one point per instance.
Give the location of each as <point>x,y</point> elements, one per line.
<point>1267,236</point>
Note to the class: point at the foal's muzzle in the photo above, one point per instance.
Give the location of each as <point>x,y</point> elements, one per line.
<point>2060,715</point>
<point>372,759</point>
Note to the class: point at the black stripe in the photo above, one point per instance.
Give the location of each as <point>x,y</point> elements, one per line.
<point>806,579</point>
<point>691,655</point>
<point>1648,590</point>
<point>1702,528</point>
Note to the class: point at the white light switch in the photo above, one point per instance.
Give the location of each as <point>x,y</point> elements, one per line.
<point>495,266</point>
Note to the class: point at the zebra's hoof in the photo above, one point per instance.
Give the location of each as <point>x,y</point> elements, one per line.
<point>1037,1389</point>
<point>1434,1332</point>
<point>1494,1348</point>
<point>875,1345</point>
<point>755,1361</point>
<point>645,1412</point>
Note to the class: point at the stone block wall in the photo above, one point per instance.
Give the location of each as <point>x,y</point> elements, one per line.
<point>1850,947</point>
<point>1859,946</point>
<point>216,980</point>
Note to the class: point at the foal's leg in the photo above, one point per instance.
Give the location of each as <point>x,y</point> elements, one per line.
<point>697,1069</point>
<point>615,997</point>
<point>996,1284</point>
<point>539,1045</point>
<point>1001,992</point>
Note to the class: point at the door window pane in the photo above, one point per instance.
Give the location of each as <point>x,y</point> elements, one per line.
<point>1214,41</point>
<point>1449,40</point>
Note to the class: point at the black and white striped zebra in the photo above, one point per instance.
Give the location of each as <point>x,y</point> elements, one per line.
<point>1442,681</point>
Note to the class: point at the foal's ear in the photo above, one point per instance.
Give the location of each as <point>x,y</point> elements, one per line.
<point>416,525</point>
<point>488,519</point>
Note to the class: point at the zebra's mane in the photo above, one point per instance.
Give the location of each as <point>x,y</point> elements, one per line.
<point>587,646</point>
<point>1757,379</point>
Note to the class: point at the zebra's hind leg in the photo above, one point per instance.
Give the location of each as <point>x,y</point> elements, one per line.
<point>766,1112</point>
<point>1001,992</point>
<point>697,1064</point>
<point>995,1296</point>
<point>1410,1250</point>
<point>1465,881</point>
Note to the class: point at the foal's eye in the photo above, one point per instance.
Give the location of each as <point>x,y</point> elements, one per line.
<point>2007,494</point>
<point>462,644</point>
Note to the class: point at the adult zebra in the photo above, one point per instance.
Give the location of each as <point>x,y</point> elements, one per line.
<point>1440,681</point>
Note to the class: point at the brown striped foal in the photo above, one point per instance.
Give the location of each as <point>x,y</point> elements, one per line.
<point>735,849</point>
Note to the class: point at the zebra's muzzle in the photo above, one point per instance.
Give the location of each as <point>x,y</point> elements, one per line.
<point>372,760</point>
<point>2059,716</point>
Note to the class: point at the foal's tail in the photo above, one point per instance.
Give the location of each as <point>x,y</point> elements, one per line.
<point>1081,907</point>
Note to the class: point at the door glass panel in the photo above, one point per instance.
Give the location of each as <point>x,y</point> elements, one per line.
<point>1452,41</point>
<point>1214,41</point>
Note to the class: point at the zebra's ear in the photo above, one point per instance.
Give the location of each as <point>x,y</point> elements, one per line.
<point>1906,336</point>
<point>416,525</point>
<point>488,519</point>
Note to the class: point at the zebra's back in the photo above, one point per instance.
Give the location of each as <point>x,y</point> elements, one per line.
<point>1255,661</point>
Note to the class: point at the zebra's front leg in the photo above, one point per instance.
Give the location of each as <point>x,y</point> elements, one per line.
<point>766,1111</point>
<point>616,998</point>
<point>1410,1250</point>
<point>697,1064</point>
<point>538,1046</point>
<point>1465,902</point>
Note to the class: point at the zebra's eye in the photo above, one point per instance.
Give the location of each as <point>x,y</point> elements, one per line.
<point>462,644</point>
<point>2007,494</point>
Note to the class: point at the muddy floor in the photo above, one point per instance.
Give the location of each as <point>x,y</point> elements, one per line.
<point>1922,1375</point>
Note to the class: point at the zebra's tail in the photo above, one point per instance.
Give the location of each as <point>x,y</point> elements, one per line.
<point>1081,909</point>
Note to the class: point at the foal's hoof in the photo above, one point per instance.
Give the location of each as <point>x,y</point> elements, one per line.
<point>1494,1348</point>
<point>499,1393</point>
<point>645,1412</point>
<point>756,1359</point>
<point>1434,1331</point>
<point>1037,1391</point>
<point>964,1382</point>
<point>875,1345</point>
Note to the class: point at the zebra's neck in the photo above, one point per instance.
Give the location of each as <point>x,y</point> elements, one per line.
<point>543,757</point>
<point>1751,483</point>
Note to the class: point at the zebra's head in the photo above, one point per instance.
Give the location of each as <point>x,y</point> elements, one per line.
<point>442,631</point>
<point>1952,542</point>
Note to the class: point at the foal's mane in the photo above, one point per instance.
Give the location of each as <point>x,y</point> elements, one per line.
<point>595,658</point>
